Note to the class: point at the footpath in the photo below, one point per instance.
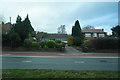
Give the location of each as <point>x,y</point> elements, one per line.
<point>69,52</point>
<point>58,54</point>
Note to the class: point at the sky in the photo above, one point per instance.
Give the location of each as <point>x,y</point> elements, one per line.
<point>48,16</point>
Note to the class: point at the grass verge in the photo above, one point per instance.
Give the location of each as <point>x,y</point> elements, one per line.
<point>40,73</point>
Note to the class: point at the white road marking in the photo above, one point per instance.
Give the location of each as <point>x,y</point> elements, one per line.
<point>79,62</point>
<point>26,61</point>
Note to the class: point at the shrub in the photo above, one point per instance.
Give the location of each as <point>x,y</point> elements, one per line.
<point>84,48</point>
<point>15,39</point>
<point>27,43</point>
<point>45,46</point>
<point>6,40</point>
<point>42,44</point>
<point>58,45</point>
<point>77,41</point>
<point>57,41</point>
<point>105,43</point>
<point>35,45</point>
<point>102,43</point>
<point>70,41</point>
<point>50,44</point>
<point>88,43</point>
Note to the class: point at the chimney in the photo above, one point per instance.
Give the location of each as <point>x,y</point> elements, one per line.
<point>102,29</point>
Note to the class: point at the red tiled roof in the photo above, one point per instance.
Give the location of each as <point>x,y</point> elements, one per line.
<point>93,31</point>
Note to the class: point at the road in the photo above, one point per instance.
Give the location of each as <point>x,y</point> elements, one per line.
<point>60,63</point>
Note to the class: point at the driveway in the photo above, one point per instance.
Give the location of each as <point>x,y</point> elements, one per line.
<point>71,50</point>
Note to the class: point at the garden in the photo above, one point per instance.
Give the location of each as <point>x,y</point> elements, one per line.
<point>29,45</point>
<point>21,38</point>
<point>108,44</point>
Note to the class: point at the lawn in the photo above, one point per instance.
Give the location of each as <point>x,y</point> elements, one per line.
<point>40,73</point>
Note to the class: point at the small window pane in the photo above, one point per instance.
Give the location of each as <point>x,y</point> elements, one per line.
<point>87,35</point>
<point>94,34</point>
<point>101,35</point>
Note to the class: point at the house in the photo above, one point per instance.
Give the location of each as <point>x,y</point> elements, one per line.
<point>61,37</point>
<point>6,27</point>
<point>94,33</point>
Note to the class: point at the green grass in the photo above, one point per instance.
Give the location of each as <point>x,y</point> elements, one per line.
<point>40,73</point>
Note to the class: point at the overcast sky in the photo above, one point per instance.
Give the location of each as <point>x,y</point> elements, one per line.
<point>48,16</point>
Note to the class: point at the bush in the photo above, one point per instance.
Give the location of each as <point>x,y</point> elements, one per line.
<point>45,46</point>
<point>6,40</point>
<point>27,43</point>
<point>84,48</point>
<point>102,43</point>
<point>15,39</point>
<point>42,44</point>
<point>50,44</point>
<point>70,41</point>
<point>105,43</point>
<point>58,46</point>
<point>57,41</point>
<point>35,45</point>
<point>77,41</point>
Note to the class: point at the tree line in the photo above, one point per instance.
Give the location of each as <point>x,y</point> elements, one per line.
<point>20,31</point>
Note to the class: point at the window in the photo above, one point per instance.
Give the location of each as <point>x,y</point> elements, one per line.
<point>94,34</point>
<point>87,35</point>
<point>101,35</point>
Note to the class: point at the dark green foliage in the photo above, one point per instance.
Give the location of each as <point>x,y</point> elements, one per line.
<point>103,43</point>
<point>57,41</point>
<point>84,48</point>
<point>5,40</point>
<point>77,41</point>
<point>58,46</point>
<point>35,45</point>
<point>76,30</point>
<point>18,19</point>
<point>23,28</point>
<point>20,31</point>
<point>50,44</point>
<point>28,43</point>
<point>116,31</point>
<point>77,34</point>
<point>42,44</point>
<point>15,39</point>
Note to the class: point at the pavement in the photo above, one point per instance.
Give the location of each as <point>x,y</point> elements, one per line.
<point>69,52</point>
<point>59,54</point>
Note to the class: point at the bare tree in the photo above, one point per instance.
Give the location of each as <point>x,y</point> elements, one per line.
<point>88,27</point>
<point>61,29</point>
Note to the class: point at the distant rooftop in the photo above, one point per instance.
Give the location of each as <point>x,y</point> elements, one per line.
<point>56,36</point>
<point>93,31</point>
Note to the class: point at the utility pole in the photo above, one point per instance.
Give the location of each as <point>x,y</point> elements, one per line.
<point>10,27</point>
<point>10,19</point>
<point>10,23</point>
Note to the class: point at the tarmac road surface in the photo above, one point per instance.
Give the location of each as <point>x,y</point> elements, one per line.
<point>60,63</point>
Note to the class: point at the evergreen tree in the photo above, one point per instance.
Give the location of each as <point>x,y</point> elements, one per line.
<point>116,31</point>
<point>23,28</point>
<point>14,39</point>
<point>18,19</point>
<point>27,24</point>
<point>77,34</point>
